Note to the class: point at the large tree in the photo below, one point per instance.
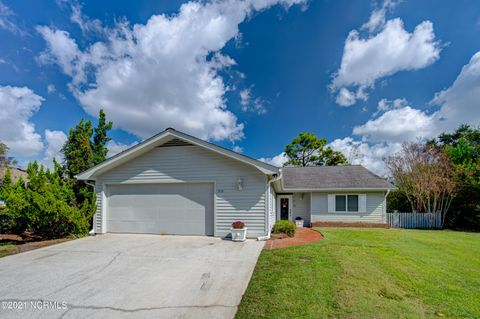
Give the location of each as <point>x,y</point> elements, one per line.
<point>84,148</point>
<point>308,150</point>
<point>423,173</point>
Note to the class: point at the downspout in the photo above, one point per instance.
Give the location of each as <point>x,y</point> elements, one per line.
<point>386,195</point>
<point>92,232</point>
<point>268,219</point>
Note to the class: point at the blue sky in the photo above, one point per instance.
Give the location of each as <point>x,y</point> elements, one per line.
<point>248,75</point>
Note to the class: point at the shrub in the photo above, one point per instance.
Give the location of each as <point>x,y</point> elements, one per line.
<point>284,227</point>
<point>238,225</point>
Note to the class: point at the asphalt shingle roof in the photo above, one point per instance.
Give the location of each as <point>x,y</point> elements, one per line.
<point>332,177</point>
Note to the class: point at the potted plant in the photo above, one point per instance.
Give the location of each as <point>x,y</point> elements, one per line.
<point>239,231</point>
<point>299,222</point>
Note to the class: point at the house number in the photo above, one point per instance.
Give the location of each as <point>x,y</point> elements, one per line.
<point>219,191</point>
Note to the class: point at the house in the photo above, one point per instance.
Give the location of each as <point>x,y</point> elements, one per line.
<point>174,183</point>
<point>15,173</point>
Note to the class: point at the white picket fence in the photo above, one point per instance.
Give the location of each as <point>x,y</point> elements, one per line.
<point>415,220</point>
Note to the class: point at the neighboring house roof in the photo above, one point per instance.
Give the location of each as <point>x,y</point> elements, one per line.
<point>169,135</point>
<point>341,177</point>
<point>15,173</point>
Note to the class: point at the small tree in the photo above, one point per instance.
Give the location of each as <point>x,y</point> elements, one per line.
<point>100,139</point>
<point>77,150</point>
<point>309,150</point>
<point>12,218</point>
<point>424,174</point>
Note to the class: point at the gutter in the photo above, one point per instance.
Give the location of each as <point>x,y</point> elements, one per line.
<point>267,237</point>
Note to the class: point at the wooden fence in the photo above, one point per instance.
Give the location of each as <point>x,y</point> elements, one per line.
<point>415,220</point>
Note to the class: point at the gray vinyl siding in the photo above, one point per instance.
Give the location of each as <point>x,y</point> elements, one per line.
<point>376,209</point>
<point>301,206</point>
<point>97,218</point>
<point>195,164</point>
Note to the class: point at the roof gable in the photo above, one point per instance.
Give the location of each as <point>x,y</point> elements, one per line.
<point>169,138</point>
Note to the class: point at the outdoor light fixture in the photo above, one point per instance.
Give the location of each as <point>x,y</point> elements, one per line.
<point>240,184</point>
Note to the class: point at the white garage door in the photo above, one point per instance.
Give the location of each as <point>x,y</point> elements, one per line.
<point>181,209</point>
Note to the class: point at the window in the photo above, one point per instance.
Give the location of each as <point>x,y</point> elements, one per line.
<point>340,204</point>
<point>346,203</point>
<point>352,203</point>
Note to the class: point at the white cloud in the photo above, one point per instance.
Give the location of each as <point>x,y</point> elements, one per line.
<point>385,105</point>
<point>63,50</point>
<point>382,136</point>
<point>459,104</point>
<point>249,104</point>
<point>54,143</point>
<point>346,97</point>
<point>51,88</point>
<point>387,49</point>
<point>86,24</point>
<point>160,74</point>
<point>7,22</point>
<point>401,122</point>
<point>116,147</point>
<point>18,104</point>
<point>377,18</point>
<point>245,97</point>
<point>277,160</point>
<point>362,153</point>
<point>398,125</point>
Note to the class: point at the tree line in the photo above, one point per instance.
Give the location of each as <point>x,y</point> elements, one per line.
<point>51,203</point>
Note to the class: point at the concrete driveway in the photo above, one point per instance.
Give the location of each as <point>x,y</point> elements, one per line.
<point>125,276</point>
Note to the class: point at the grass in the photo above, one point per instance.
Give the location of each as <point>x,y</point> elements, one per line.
<point>369,273</point>
<point>7,249</point>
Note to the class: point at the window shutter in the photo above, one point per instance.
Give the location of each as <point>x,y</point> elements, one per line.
<point>362,203</point>
<point>331,203</point>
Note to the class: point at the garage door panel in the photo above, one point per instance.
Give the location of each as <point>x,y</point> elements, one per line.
<point>184,209</point>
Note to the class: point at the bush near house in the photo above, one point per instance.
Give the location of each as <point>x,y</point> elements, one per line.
<point>284,227</point>
<point>51,203</point>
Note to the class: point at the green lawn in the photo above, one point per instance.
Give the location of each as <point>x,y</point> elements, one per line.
<point>369,273</point>
<point>7,249</point>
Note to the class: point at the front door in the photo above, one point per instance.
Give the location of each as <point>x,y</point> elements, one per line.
<point>284,208</point>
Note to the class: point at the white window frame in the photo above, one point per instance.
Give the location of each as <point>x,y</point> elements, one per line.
<point>346,203</point>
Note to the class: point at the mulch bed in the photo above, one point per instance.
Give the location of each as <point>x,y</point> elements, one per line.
<point>302,236</point>
<point>22,244</point>
<point>10,238</point>
<point>39,244</point>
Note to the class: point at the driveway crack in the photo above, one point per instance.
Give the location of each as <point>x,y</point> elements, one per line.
<point>85,277</point>
<point>133,310</point>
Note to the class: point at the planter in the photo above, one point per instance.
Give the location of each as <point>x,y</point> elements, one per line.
<point>239,234</point>
<point>299,223</point>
